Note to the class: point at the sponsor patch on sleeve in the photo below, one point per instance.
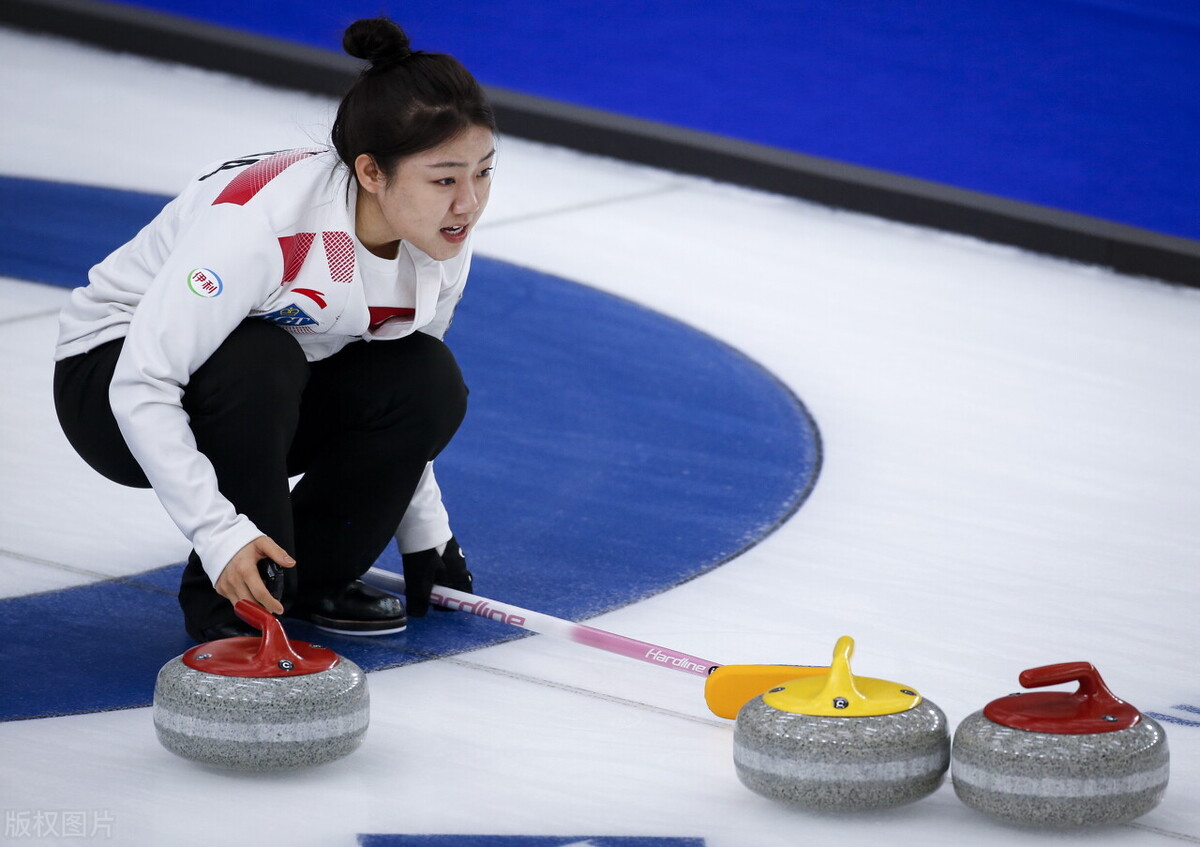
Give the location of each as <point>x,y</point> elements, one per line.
<point>289,315</point>
<point>204,282</point>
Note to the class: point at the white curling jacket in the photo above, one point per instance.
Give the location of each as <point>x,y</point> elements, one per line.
<point>268,236</point>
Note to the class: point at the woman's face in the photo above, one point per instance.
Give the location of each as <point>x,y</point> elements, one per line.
<point>432,200</point>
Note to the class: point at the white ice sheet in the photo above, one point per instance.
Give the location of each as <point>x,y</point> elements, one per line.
<point>1009,481</point>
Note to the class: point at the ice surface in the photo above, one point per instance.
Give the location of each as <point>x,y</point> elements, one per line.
<point>1009,481</point>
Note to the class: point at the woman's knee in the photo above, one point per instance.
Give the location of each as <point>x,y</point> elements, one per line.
<point>412,382</point>
<point>437,383</point>
<point>258,365</point>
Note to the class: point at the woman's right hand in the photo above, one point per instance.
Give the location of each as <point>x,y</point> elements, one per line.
<point>241,580</point>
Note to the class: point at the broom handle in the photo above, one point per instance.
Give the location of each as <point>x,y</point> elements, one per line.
<point>589,636</point>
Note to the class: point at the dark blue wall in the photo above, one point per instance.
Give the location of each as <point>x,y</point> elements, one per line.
<point>1088,106</point>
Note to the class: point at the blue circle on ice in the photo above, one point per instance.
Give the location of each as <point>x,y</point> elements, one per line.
<point>609,453</point>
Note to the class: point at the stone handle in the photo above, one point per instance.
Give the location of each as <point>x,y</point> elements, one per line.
<point>1091,686</point>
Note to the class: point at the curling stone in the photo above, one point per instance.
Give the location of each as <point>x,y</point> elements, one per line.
<point>841,743</point>
<point>1060,759</point>
<point>260,704</point>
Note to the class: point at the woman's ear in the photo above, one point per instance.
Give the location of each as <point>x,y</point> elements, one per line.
<point>370,175</point>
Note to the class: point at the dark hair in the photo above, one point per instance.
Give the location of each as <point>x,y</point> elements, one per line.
<point>404,102</point>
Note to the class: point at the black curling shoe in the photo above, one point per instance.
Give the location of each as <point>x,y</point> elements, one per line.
<point>232,629</point>
<point>356,609</point>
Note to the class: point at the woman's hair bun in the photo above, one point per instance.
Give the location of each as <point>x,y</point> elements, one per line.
<point>379,41</point>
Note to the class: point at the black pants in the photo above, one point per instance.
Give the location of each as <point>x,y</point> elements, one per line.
<point>359,426</point>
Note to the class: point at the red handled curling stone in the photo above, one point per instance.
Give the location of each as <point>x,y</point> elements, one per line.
<point>1060,759</point>
<point>840,742</point>
<point>260,704</point>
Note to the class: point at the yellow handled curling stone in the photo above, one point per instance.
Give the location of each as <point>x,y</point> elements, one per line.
<point>841,743</point>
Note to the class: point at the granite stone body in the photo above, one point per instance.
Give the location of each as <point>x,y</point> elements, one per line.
<point>841,763</point>
<point>261,724</point>
<point>1059,780</point>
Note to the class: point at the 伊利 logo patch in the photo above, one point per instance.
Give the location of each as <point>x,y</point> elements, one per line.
<point>204,282</point>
